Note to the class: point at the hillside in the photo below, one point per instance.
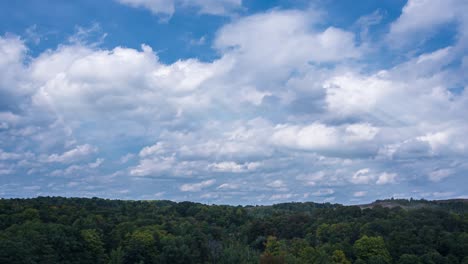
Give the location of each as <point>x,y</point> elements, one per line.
<point>458,205</point>
<point>80,230</point>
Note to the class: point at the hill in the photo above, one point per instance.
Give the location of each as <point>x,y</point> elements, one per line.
<point>454,205</point>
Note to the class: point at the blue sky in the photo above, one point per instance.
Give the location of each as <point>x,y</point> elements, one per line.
<point>234,101</point>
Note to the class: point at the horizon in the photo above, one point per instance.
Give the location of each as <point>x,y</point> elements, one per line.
<point>370,202</point>
<point>234,101</point>
<point>246,205</point>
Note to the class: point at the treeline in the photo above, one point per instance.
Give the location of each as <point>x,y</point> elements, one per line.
<point>79,230</point>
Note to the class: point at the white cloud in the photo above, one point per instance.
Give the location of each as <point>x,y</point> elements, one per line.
<point>321,137</point>
<point>13,75</point>
<point>361,132</point>
<point>32,188</point>
<point>92,36</point>
<point>169,166</point>
<point>323,192</point>
<point>230,166</point>
<point>284,38</point>
<point>439,175</point>
<point>209,196</point>
<point>79,152</point>
<point>362,176</point>
<point>214,7</point>
<point>278,184</point>
<point>360,194</point>
<point>386,178</point>
<point>314,136</point>
<point>227,140</point>
<point>159,194</point>
<point>228,186</point>
<point>422,17</point>
<point>139,71</point>
<point>406,150</point>
<point>126,158</point>
<point>169,7</point>
<point>165,7</point>
<point>437,141</point>
<point>283,196</point>
<point>12,49</point>
<point>6,171</point>
<point>353,94</point>
<point>78,169</point>
<point>196,187</point>
<point>151,150</point>
<point>313,179</point>
<point>81,85</point>
<point>96,164</point>
<point>153,166</point>
<point>367,21</point>
<point>286,99</point>
<point>9,155</point>
<point>9,118</point>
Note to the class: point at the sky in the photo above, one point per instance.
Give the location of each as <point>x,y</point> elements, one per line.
<point>234,101</point>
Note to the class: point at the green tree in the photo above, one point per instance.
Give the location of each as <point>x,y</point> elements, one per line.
<point>372,249</point>
<point>274,252</point>
<point>434,257</point>
<point>94,245</point>
<point>339,257</point>
<point>307,255</point>
<point>141,246</point>
<point>409,259</point>
<point>116,256</point>
<point>235,252</point>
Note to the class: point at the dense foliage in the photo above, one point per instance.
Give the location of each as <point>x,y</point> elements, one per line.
<point>76,230</point>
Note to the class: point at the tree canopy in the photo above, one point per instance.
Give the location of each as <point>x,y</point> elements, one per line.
<point>81,230</point>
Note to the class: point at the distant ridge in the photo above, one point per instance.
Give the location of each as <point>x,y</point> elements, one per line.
<point>457,203</point>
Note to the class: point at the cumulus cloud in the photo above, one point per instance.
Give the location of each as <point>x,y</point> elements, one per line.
<point>9,155</point>
<point>360,194</point>
<point>353,94</point>
<point>79,152</point>
<point>153,166</point>
<point>285,38</point>
<point>289,103</point>
<point>228,186</point>
<point>313,179</point>
<point>82,85</point>
<point>284,196</point>
<point>422,17</point>
<point>438,175</point>
<point>214,7</point>
<point>196,187</point>
<point>361,132</point>
<point>320,137</point>
<point>230,166</point>
<point>362,176</point>
<point>323,192</point>
<point>436,140</point>
<point>13,76</point>
<point>386,178</point>
<point>277,184</point>
<point>168,7</point>
<point>314,136</point>
<point>78,169</point>
<point>96,163</point>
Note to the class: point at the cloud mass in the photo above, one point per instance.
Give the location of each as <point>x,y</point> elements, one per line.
<point>290,106</point>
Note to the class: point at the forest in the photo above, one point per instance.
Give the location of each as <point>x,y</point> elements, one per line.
<point>93,230</point>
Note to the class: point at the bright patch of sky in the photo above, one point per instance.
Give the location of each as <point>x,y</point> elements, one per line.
<point>231,101</point>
